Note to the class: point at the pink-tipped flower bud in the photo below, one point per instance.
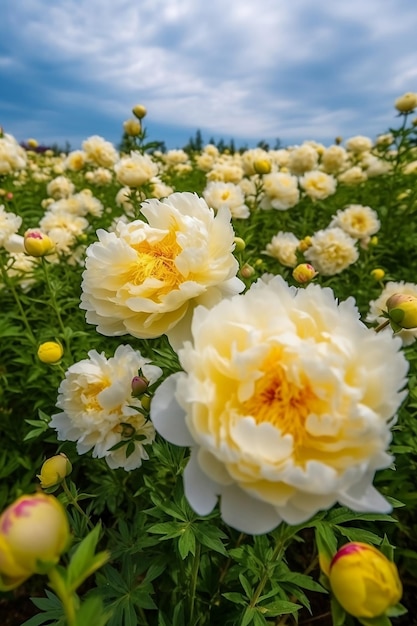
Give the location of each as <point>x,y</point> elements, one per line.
<point>304,273</point>
<point>139,386</point>
<point>247,271</point>
<point>34,531</point>
<point>37,243</point>
<point>365,583</point>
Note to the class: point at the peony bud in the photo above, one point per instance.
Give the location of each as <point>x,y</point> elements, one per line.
<point>402,311</point>
<point>139,386</point>
<point>37,243</point>
<point>54,470</point>
<point>303,273</point>
<point>132,127</point>
<point>247,271</point>
<point>378,274</point>
<point>365,583</point>
<point>406,103</point>
<point>305,244</point>
<point>34,531</point>
<point>32,143</point>
<point>139,110</point>
<point>50,352</point>
<point>262,166</point>
<point>239,244</point>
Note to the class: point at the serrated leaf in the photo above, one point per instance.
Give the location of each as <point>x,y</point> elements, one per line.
<point>235,597</point>
<point>186,543</point>
<point>280,607</point>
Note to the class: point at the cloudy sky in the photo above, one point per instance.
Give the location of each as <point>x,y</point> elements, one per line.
<point>251,70</point>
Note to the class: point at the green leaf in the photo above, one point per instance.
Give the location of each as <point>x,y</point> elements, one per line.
<point>210,537</point>
<point>246,585</point>
<point>248,616</point>
<point>186,543</point>
<point>84,562</point>
<point>397,610</point>
<point>326,540</point>
<point>236,598</point>
<point>338,613</point>
<point>359,534</point>
<point>91,612</point>
<point>280,607</point>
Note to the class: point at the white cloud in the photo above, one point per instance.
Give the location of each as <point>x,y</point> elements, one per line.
<point>245,69</point>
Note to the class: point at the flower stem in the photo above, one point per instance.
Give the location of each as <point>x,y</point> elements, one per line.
<point>54,303</point>
<point>75,504</point>
<point>382,326</point>
<point>9,284</point>
<point>193,581</point>
<point>67,598</point>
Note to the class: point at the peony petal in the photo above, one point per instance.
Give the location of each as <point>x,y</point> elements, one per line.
<point>247,514</point>
<point>200,491</point>
<point>167,415</point>
<point>367,500</point>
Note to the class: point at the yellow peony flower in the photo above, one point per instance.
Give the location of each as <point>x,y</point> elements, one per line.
<point>34,530</point>
<point>365,583</point>
<point>287,400</point>
<point>146,278</point>
<point>406,103</point>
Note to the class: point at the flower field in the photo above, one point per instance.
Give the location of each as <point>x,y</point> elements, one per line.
<point>208,392</point>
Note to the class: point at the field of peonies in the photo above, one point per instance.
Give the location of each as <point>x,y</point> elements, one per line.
<point>208,394</point>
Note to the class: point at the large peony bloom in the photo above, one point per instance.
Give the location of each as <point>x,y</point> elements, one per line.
<point>99,411</point>
<point>286,400</point>
<point>145,278</point>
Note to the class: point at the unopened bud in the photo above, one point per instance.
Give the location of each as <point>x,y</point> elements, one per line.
<point>304,273</point>
<point>402,311</point>
<point>247,271</point>
<point>54,470</point>
<point>38,244</point>
<point>132,127</point>
<point>139,386</point>
<point>305,244</point>
<point>50,352</point>
<point>262,166</point>
<point>378,274</point>
<point>139,111</point>
<point>239,244</point>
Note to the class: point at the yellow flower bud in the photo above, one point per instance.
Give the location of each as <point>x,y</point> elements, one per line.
<point>239,244</point>
<point>373,241</point>
<point>303,273</point>
<point>139,110</point>
<point>304,244</point>
<point>378,273</point>
<point>132,127</point>
<point>54,470</point>
<point>37,243</point>
<point>365,583</point>
<point>34,531</point>
<point>402,311</point>
<point>338,140</point>
<point>406,103</point>
<point>50,352</point>
<point>262,166</point>
<point>32,143</point>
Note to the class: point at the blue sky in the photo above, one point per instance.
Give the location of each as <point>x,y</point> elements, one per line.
<point>242,69</point>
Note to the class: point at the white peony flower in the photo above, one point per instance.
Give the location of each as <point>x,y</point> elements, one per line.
<point>357,220</point>
<point>146,278</point>
<point>98,409</point>
<point>280,191</point>
<point>135,170</point>
<point>286,400</point>
<point>407,336</point>
<point>218,194</point>
<point>283,247</point>
<point>318,185</point>
<point>9,225</point>
<point>331,251</point>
